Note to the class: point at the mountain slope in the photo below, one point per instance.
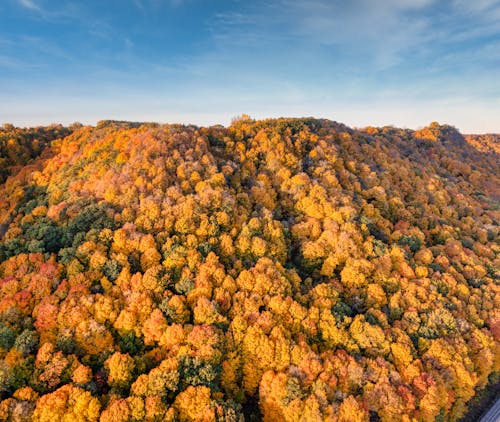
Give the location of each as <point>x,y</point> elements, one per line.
<point>289,269</point>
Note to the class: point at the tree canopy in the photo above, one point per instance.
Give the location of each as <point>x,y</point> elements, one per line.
<point>285,269</point>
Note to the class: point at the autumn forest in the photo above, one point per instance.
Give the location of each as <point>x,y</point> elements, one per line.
<point>274,270</point>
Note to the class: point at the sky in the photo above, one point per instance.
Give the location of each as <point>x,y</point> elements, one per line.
<point>360,62</point>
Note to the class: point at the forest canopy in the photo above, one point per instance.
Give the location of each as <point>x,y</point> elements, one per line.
<point>284,269</point>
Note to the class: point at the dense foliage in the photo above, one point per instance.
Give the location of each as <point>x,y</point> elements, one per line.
<point>290,269</point>
<point>19,147</point>
<point>485,143</point>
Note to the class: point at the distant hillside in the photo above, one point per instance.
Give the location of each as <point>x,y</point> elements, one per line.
<point>20,146</point>
<point>284,269</point>
<point>485,143</point>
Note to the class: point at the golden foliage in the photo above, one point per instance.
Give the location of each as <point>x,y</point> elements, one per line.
<point>292,267</point>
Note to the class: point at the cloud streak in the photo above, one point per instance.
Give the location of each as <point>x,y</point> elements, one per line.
<point>29,4</point>
<point>145,5</point>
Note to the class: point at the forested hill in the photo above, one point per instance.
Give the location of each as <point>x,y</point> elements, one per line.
<point>289,269</point>
<point>19,146</point>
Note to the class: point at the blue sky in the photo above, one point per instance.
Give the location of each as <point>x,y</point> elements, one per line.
<point>361,62</point>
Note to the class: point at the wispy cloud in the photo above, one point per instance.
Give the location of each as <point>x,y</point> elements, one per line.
<point>12,63</point>
<point>387,33</point>
<point>55,12</point>
<point>29,4</point>
<point>145,5</point>
<point>379,31</point>
<point>477,6</point>
<point>45,47</point>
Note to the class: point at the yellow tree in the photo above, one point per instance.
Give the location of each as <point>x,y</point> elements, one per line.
<point>67,404</point>
<point>120,369</point>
